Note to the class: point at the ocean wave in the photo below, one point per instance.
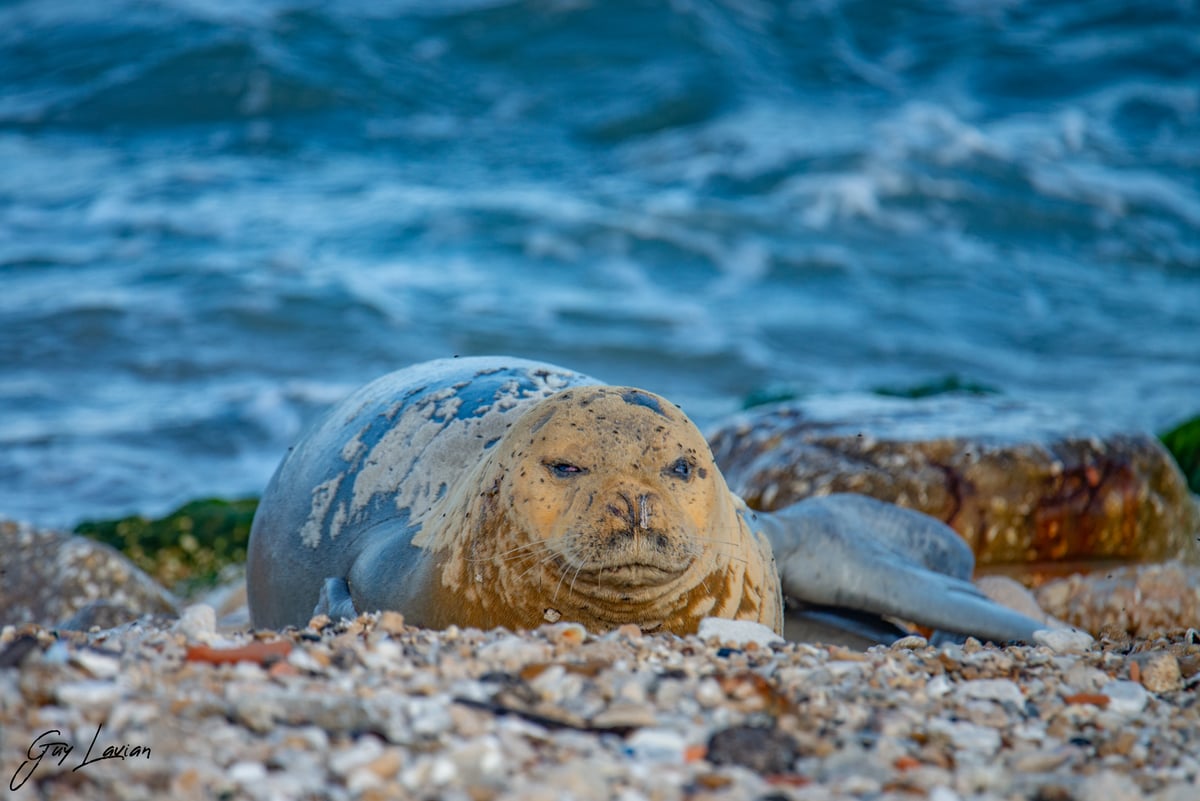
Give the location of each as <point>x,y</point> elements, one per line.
<point>215,215</point>
<point>673,65</point>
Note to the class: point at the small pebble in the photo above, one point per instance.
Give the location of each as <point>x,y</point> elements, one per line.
<point>247,773</point>
<point>968,736</point>
<point>390,622</point>
<point>943,793</point>
<point>625,715</point>
<point>480,761</point>
<point>762,749</point>
<point>1041,761</point>
<point>737,632</point>
<point>1160,672</point>
<point>1064,641</point>
<point>991,690</point>
<point>1110,786</point>
<point>709,693</point>
<point>656,745</point>
<point>365,749</point>
<point>938,686</point>
<point>198,623</point>
<point>1125,697</point>
<point>565,633</point>
<point>90,694</point>
<point>910,643</point>
<point>629,631</point>
<point>98,665</point>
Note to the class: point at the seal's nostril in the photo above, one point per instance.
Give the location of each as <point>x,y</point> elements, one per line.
<point>625,510</point>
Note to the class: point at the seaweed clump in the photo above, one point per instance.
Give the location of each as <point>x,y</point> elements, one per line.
<point>187,549</point>
<point>1183,441</point>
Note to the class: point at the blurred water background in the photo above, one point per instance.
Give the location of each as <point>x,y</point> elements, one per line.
<point>219,216</point>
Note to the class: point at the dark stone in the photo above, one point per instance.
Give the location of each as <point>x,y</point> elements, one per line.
<point>761,749</point>
<point>16,651</point>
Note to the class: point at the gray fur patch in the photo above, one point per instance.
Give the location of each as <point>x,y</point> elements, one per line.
<point>635,398</point>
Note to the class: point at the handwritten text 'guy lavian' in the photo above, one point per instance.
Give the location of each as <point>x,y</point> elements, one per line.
<point>49,744</point>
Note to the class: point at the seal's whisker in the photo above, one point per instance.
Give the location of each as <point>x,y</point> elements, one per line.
<point>571,589</point>
<point>548,558</point>
<point>717,541</point>
<point>513,552</point>
<point>733,548</point>
<point>558,586</point>
<point>520,552</point>
<point>535,565</point>
<point>528,546</point>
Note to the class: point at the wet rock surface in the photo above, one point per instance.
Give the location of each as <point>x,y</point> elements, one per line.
<point>373,709</point>
<point>1022,485</point>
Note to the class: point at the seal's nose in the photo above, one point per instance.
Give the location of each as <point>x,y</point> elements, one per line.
<point>633,508</point>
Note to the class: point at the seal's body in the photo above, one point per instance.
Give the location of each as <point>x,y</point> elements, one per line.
<point>495,491</point>
<point>481,492</point>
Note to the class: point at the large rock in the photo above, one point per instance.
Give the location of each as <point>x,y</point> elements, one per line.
<point>56,579</point>
<point>1021,484</point>
<point>1135,600</point>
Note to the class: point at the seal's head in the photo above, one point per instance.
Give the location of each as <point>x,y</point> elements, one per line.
<point>604,506</point>
<point>618,483</point>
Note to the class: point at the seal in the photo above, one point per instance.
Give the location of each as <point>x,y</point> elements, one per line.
<point>479,493</point>
<point>494,491</point>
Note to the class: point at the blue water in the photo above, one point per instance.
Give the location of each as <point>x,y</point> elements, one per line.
<point>218,216</point>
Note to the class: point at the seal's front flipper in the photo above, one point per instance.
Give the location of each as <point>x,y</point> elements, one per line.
<point>335,600</point>
<point>854,552</point>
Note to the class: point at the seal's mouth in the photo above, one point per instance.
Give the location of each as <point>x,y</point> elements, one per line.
<point>630,575</point>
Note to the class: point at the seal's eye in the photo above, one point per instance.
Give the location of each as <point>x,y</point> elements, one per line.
<point>680,468</point>
<point>565,469</point>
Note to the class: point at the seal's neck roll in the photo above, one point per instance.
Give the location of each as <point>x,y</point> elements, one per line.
<point>600,506</point>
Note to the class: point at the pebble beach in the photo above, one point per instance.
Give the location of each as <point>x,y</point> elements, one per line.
<point>914,225</point>
<point>374,709</point>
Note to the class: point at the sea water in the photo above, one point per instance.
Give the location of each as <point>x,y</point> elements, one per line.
<point>219,216</point>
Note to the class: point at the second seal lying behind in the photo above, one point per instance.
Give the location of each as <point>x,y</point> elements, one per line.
<point>500,492</point>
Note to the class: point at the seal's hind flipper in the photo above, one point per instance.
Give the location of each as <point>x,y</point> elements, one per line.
<point>855,552</point>
<point>335,600</point>
<point>848,627</point>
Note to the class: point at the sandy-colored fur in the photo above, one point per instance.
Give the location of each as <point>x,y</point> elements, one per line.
<point>642,530</point>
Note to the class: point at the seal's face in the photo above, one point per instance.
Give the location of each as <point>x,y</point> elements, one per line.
<point>615,487</point>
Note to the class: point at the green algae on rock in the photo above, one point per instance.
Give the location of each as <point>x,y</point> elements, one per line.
<point>1183,441</point>
<point>186,548</point>
<point>1023,485</point>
